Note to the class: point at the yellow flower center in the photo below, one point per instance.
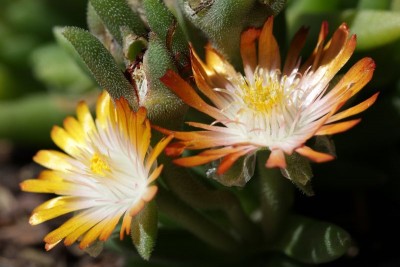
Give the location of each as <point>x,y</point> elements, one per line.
<point>99,165</point>
<point>263,94</point>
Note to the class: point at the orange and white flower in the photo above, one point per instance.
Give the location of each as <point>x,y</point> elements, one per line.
<point>106,174</point>
<point>270,107</point>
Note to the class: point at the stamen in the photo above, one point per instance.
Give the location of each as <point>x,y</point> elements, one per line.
<point>99,165</point>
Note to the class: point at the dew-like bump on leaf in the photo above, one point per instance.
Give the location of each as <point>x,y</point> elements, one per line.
<point>117,14</point>
<point>374,28</point>
<point>101,64</point>
<point>144,230</point>
<point>312,241</point>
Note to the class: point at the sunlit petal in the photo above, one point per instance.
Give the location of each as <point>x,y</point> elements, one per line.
<point>106,173</point>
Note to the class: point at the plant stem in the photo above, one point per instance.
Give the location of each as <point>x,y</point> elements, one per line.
<point>195,222</point>
<point>197,195</point>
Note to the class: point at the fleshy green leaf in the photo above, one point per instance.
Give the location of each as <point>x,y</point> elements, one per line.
<point>191,31</point>
<point>311,241</point>
<point>276,197</point>
<point>164,107</point>
<point>374,28</point>
<point>299,171</point>
<point>133,46</point>
<point>162,22</point>
<point>95,249</point>
<point>237,175</point>
<point>117,14</point>
<point>144,230</point>
<point>220,23</point>
<point>101,64</point>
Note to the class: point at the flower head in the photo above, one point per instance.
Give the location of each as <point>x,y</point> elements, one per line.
<point>270,108</point>
<point>106,174</point>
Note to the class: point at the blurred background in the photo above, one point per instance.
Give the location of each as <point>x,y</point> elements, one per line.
<point>40,84</point>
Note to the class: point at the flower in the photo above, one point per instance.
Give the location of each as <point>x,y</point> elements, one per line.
<point>106,174</point>
<point>270,108</point>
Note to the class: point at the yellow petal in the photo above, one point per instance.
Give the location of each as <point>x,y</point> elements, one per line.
<point>107,226</point>
<point>85,118</point>
<point>64,141</point>
<point>74,129</point>
<point>54,160</point>
<point>103,109</point>
<point>45,186</point>
<point>156,151</point>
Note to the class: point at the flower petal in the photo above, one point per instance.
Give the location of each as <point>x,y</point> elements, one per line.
<point>268,50</point>
<point>276,159</point>
<point>337,127</point>
<point>248,51</point>
<point>293,55</point>
<point>188,95</point>
<point>354,110</point>
<point>314,155</point>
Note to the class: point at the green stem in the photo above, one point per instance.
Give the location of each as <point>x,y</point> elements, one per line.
<point>276,198</point>
<point>195,222</point>
<point>197,195</point>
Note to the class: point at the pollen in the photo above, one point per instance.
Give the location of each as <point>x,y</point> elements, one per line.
<point>263,94</point>
<point>99,165</point>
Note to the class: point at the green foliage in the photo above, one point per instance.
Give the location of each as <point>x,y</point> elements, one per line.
<point>101,64</point>
<point>144,230</point>
<point>155,34</point>
<point>164,107</point>
<point>222,22</point>
<point>164,25</point>
<point>383,27</point>
<point>311,241</point>
<point>276,195</point>
<point>117,14</point>
<point>299,171</point>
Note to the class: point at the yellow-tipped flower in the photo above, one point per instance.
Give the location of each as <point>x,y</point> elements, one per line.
<point>106,174</point>
<point>270,107</point>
